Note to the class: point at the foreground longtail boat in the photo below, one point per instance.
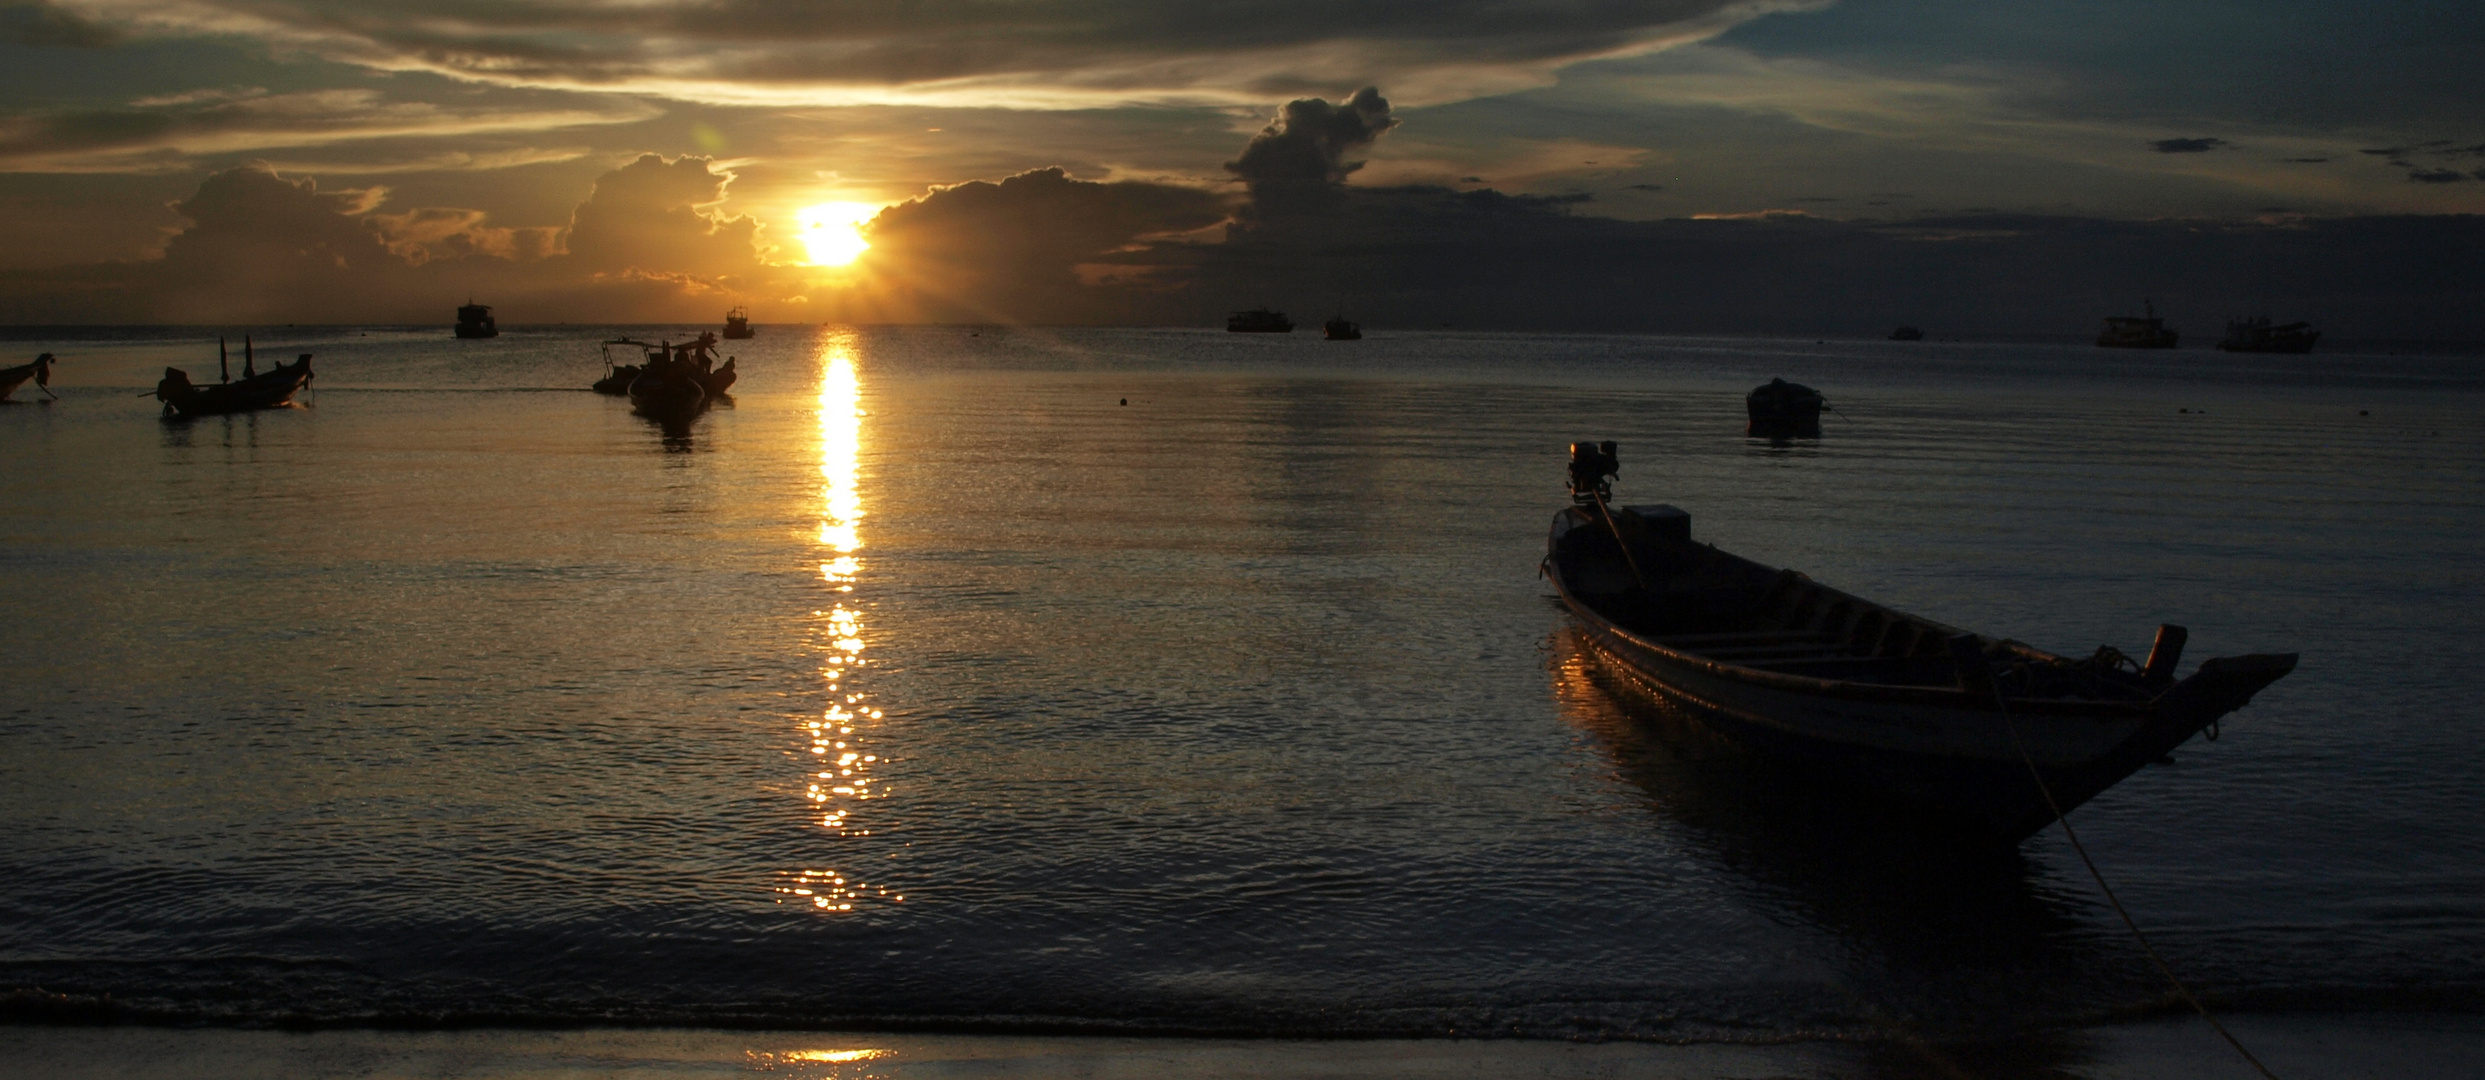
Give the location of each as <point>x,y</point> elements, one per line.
<point>1892,704</point>
<point>270,389</point>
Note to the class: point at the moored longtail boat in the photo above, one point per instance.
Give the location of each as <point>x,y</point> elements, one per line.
<point>270,389</point>
<point>1780,409</point>
<point>13,377</point>
<point>1888,703</point>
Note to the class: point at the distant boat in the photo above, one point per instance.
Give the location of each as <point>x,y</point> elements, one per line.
<point>1341,329</point>
<point>1907,333</point>
<point>270,389</point>
<point>1782,409</point>
<point>1866,696</point>
<point>1259,321</point>
<point>737,324</point>
<point>2149,332</point>
<point>475,321</point>
<point>2256,335</point>
<point>40,371</point>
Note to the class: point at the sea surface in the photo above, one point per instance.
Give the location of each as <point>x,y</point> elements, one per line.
<point>1179,682</point>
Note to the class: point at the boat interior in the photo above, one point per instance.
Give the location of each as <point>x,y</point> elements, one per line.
<point>1695,599</point>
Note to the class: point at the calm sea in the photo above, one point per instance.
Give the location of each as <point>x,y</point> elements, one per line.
<point>1178,681</point>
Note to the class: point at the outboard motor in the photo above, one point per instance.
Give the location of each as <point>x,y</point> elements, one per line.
<point>1592,469</point>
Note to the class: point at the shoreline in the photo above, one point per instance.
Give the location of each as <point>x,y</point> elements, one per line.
<point>2404,1046</point>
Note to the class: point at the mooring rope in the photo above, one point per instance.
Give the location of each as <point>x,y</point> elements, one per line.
<point>2163,968</point>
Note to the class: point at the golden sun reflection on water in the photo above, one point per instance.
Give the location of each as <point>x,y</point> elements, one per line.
<point>838,770</point>
<point>805,1062</point>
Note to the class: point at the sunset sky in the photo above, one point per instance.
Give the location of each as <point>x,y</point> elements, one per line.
<point>1118,161</point>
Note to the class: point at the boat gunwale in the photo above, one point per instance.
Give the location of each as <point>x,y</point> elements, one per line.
<point>1847,689</point>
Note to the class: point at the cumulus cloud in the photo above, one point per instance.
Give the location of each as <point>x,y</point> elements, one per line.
<point>1037,53</point>
<point>651,215</point>
<point>1014,251</point>
<point>1311,140</point>
<point>261,246</point>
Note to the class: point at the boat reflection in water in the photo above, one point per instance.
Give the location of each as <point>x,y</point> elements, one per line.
<point>1960,945</point>
<point>837,778</point>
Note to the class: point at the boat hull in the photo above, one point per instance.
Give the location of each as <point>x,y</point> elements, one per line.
<point>270,390</point>
<point>1965,755</point>
<point>1259,321</point>
<point>1783,410</point>
<point>666,397</point>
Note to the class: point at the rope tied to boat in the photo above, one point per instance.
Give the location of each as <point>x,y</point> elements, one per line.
<point>2109,658</point>
<point>2003,709</point>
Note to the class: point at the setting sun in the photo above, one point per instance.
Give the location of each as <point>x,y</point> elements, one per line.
<point>832,232</point>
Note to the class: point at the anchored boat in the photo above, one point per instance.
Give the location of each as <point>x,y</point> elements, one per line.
<point>475,321</point>
<point>1783,410</point>
<point>2256,335</point>
<point>270,389</point>
<point>40,371</point>
<point>2146,332</point>
<point>737,324</point>
<point>1259,321</point>
<point>669,379</point>
<point>1880,700</point>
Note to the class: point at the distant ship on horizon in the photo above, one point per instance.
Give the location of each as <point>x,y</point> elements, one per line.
<point>1907,333</point>
<point>1342,328</point>
<point>1259,321</point>
<point>738,323</point>
<point>475,321</point>
<point>2256,335</point>
<point>2146,332</point>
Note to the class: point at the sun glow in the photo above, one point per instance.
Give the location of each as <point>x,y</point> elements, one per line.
<point>833,232</point>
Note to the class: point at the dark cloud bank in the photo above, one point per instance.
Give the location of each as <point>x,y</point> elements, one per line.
<point>1043,247</point>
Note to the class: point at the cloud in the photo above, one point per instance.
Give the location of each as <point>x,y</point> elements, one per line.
<point>1513,163</point>
<point>260,246</point>
<point>2187,146</point>
<point>46,24</point>
<point>1404,257</point>
<point>651,215</point>
<point>1020,249</point>
<point>1037,53</point>
<point>2404,157</point>
<point>648,243</point>
<point>162,132</point>
<point>1311,140</point>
